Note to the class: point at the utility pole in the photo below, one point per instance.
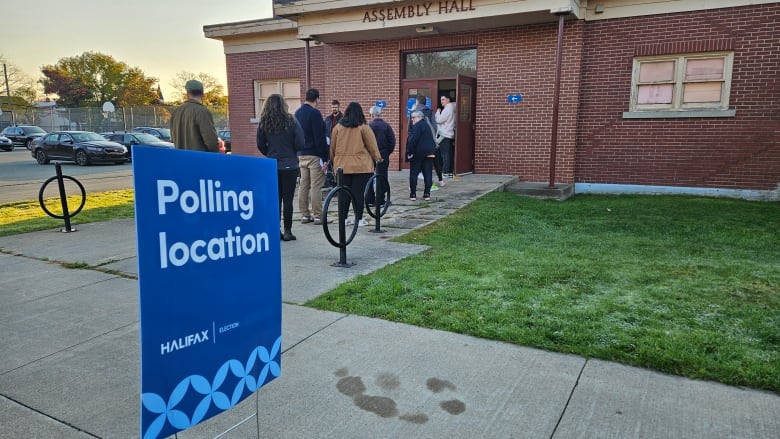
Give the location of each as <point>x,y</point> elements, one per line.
<point>8,93</point>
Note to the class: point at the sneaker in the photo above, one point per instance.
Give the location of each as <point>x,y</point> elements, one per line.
<point>306,219</point>
<point>412,198</point>
<point>441,183</point>
<point>317,221</point>
<point>349,221</point>
<point>427,197</point>
<point>434,187</point>
<point>362,222</point>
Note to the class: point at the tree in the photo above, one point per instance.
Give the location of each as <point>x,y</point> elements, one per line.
<point>213,91</point>
<point>214,97</point>
<point>20,85</point>
<point>93,78</point>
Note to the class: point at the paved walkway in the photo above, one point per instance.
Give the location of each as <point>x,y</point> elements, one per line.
<point>69,355</point>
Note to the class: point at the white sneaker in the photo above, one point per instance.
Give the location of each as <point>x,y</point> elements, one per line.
<point>362,222</point>
<point>441,183</point>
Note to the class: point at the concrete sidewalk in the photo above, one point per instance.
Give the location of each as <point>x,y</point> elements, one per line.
<point>69,355</point>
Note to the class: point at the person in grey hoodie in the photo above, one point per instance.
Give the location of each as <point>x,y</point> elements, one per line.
<point>280,136</point>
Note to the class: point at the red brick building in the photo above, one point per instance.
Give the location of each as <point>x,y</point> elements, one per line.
<point>676,96</point>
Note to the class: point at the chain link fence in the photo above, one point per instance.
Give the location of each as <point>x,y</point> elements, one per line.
<point>95,119</point>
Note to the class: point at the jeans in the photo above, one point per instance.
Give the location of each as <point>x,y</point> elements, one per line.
<point>446,155</point>
<point>286,180</point>
<point>312,179</point>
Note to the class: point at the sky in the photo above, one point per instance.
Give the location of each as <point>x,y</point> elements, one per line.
<point>160,37</point>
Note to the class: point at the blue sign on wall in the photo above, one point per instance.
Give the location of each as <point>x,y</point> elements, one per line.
<point>381,104</point>
<point>209,276</point>
<point>514,99</point>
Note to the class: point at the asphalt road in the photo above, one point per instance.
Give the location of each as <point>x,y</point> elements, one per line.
<point>21,177</point>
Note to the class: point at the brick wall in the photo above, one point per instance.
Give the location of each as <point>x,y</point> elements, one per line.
<point>734,153</point>
<point>595,144</point>
<point>244,68</point>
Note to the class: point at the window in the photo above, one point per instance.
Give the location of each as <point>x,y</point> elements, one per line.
<point>290,89</point>
<point>440,64</point>
<point>684,84</point>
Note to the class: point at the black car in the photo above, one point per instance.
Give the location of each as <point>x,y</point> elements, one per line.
<point>225,136</point>
<point>82,147</point>
<point>136,139</point>
<point>23,135</point>
<point>6,144</point>
<point>160,133</point>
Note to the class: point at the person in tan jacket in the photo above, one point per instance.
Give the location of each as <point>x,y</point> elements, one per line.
<point>353,148</point>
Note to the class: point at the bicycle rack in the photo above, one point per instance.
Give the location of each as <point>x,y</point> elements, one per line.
<point>63,198</point>
<point>347,197</point>
<point>383,187</point>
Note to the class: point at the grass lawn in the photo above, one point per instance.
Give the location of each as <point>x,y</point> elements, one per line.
<point>685,285</point>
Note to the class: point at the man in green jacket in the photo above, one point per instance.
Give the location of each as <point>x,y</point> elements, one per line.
<point>192,126</point>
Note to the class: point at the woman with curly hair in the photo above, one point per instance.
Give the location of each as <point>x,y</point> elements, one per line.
<point>353,148</point>
<point>280,137</point>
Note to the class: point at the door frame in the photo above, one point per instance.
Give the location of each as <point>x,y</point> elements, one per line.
<point>463,146</point>
<point>407,86</point>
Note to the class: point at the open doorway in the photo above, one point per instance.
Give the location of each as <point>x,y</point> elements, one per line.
<point>461,91</point>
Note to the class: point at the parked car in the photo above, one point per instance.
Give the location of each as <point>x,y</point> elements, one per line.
<point>82,147</point>
<point>225,136</point>
<point>6,143</point>
<point>136,139</point>
<point>23,135</point>
<point>160,133</point>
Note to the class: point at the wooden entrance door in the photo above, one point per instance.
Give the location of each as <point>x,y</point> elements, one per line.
<point>466,103</point>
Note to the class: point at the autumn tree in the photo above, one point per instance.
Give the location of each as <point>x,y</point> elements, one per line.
<point>93,78</point>
<point>214,97</point>
<point>21,86</point>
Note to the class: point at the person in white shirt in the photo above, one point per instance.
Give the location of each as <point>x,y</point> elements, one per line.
<point>445,119</point>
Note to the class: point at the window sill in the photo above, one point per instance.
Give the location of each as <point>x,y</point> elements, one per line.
<point>677,114</point>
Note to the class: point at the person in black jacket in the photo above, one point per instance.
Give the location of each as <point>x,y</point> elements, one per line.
<point>280,136</point>
<point>313,158</point>
<point>422,105</point>
<point>385,140</point>
<point>420,153</point>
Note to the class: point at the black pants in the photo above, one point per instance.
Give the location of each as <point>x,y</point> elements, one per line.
<point>286,179</point>
<point>438,164</point>
<point>445,147</point>
<point>357,183</point>
<point>381,169</point>
<point>425,165</point>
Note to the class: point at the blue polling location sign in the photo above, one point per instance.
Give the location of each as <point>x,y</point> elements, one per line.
<point>514,99</point>
<point>381,104</point>
<point>209,279</point>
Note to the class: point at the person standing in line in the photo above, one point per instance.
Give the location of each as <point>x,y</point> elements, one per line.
<point>192,125</point>
<point>428,117</point>
<point>280,136</point>
<point>313,158</point>
<point>334,117</point>
<point>445,118</point>
<point>385,140</point>
<point>353,148</point>
<point>420,152</point>
<point>330,122</point>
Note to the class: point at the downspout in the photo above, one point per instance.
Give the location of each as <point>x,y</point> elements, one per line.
<point>307,39</point>
<point>556,95</point>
